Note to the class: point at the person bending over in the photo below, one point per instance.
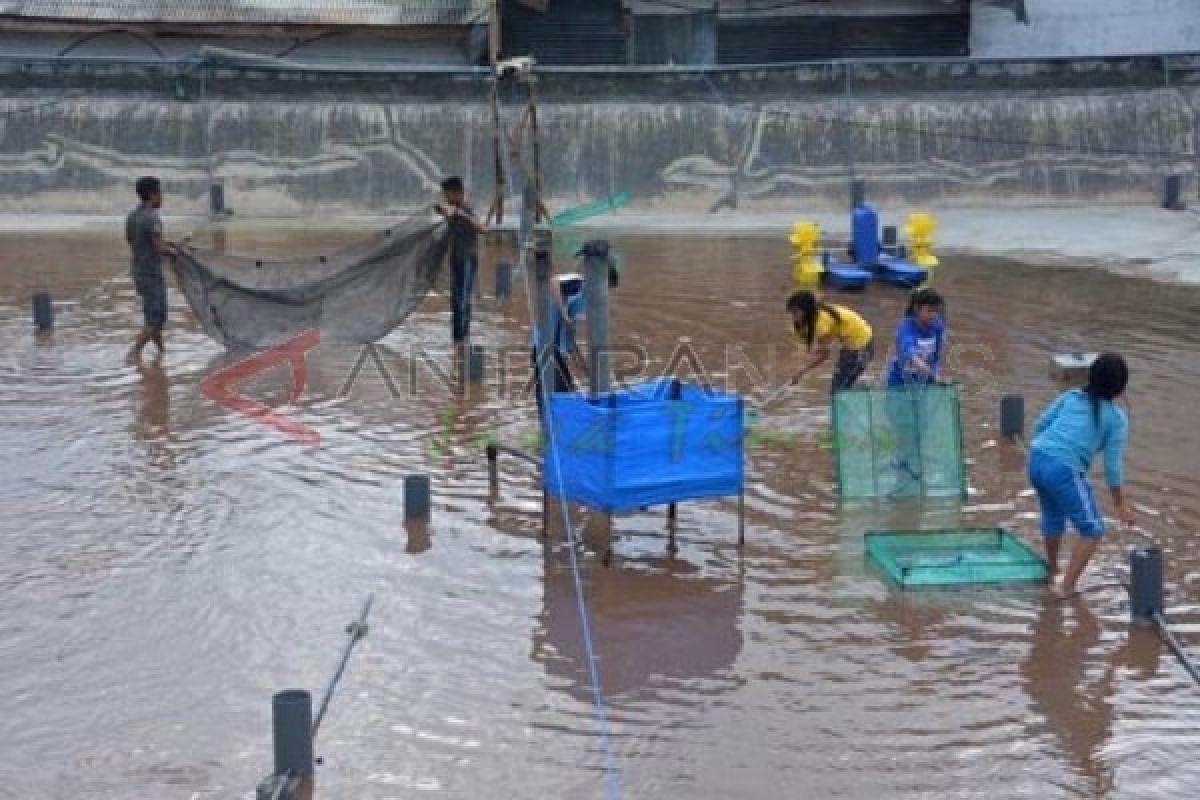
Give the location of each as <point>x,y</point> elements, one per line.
<point>1079,424</point>
<point>819,326</point>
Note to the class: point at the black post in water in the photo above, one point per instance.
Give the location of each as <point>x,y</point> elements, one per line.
<point>476,363</point>
<point>493,468</point>
<point>595,273</point>
<point>858,193</point>
<point>1012,417</point>
<point>43,311</point>
<point>1145,585</point>
<point>216,199</point>
<point>672,509</point>
<point>741,412</point>
<point>545,354</point>
<point>1173,193</point>
<point>291,725</point>
<point>504,273</point>
<point>417,498</point>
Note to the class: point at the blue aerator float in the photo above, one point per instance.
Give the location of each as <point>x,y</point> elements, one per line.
<point>869,260</point>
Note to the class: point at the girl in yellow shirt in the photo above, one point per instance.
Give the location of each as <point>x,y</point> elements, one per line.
<point>819,325</point>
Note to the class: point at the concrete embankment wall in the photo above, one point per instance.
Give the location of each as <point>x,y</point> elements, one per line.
<point>73,138</point>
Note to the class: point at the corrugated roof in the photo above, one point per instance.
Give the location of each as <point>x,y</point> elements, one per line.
<point>253,12</point>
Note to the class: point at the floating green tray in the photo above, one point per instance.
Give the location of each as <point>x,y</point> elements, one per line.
<point>937,559</point>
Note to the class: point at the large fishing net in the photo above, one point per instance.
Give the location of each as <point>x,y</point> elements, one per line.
<point>357,294</point>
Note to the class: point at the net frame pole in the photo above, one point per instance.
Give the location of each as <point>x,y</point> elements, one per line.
<point>675,396</point>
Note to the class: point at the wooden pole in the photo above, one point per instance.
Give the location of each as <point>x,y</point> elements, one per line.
<point>542,211</point>
<point>494,32</point>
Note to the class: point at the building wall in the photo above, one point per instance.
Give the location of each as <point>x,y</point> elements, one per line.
<point>1087,28</point>
<point>310,144</point>
<point>452,49</point>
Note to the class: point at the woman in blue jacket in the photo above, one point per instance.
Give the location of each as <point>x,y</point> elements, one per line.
<point>1079,424</point>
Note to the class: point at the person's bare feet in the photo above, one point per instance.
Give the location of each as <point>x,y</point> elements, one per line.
<point>1061,591</point>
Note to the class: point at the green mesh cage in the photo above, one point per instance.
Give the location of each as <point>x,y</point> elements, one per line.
<point>898,443</point>
<point>940,559</point>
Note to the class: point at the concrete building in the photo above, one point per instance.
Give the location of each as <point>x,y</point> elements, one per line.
<point>332,31</point>
<point>582,32</point>
<point>1084,28</point>
<point>732,31</point>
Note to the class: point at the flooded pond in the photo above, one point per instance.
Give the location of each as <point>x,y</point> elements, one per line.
<point>166,564</point>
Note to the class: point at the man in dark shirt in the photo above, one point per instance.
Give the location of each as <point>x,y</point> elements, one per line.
<point>144,233</point>
<point>465,228</point>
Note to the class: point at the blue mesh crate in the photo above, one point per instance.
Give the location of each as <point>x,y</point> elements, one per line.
<point>948,558</point>
<point>898,443</point>
<point>639,447</point>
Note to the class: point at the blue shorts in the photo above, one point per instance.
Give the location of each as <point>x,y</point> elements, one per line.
<point>153,291</point>
<point>1064,494</point>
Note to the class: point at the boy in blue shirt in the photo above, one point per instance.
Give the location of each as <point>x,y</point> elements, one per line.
<point>1079,424</point>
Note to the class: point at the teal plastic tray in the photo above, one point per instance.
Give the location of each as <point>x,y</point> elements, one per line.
<point>948,558</point>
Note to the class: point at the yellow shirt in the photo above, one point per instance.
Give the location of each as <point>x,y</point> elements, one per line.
<point>851,330</point>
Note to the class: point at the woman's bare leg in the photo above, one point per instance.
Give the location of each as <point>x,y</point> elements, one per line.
<point>1081,554</point>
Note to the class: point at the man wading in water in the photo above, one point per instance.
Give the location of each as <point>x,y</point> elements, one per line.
<point>144,232</point>
<point>465,228</point>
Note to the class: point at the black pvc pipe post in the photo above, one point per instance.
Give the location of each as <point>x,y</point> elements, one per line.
<point>545,354</point>
<point>672,509</point>
<point>1173,193</point>
<point>216,199</point>
<point>1012,417</point>
<point>493,469</point>
<point>476,363</point>
<point>291,727</point>
<point>43,311</point>
<point>1145,585</point>
<point>858,193</point>
<point>741,412</point>
<point>417,498</point>
<point>889,236</point>
<point>504,274</point>
<point>595,271</point>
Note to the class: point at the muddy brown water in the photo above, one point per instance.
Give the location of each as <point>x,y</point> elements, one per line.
<point>166,564</point>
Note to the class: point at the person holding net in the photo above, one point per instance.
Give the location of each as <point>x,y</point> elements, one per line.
<point>920,342</point>
<point>916,364</point>
<point>147,247</point>
<point>465,228</point>
<point>1079,424</point>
